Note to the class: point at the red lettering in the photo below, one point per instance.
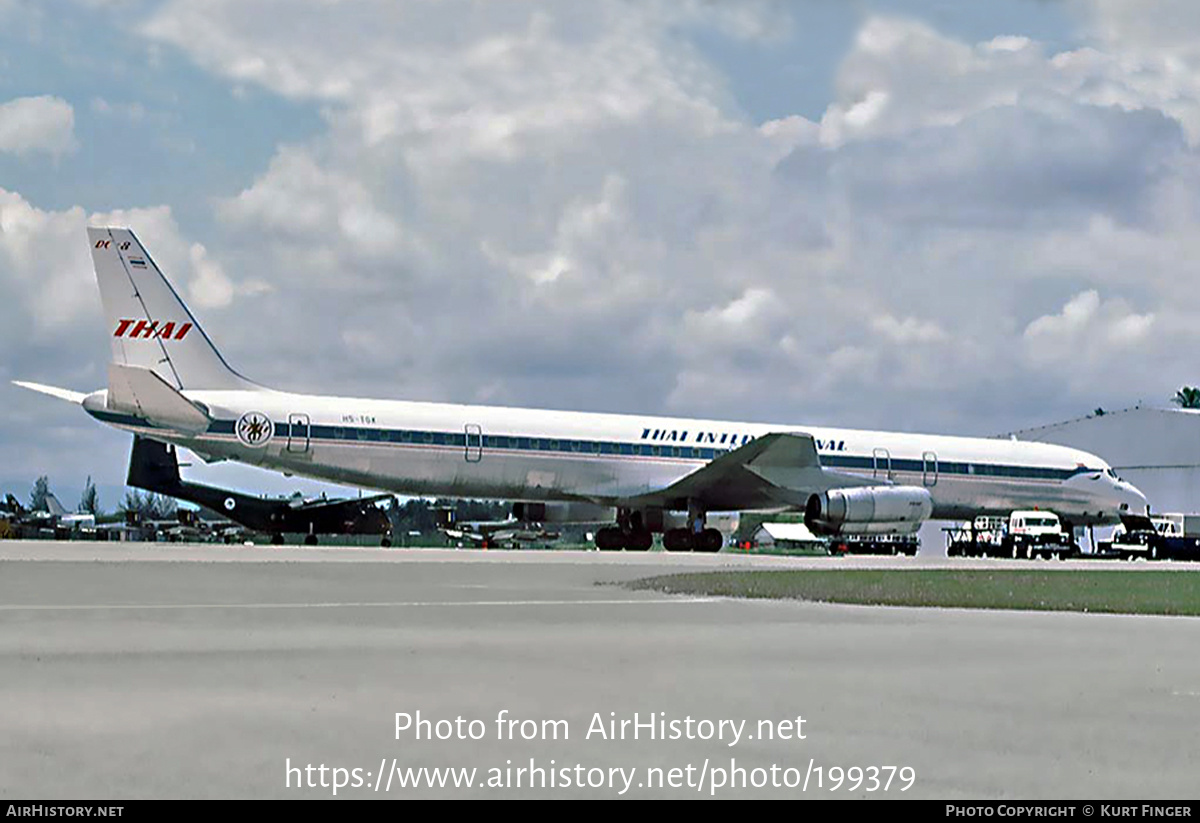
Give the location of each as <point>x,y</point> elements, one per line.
<point>144,329</point>
<point>149,329</point>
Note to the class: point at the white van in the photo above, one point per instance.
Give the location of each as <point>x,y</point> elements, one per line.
<point>1037,533</point>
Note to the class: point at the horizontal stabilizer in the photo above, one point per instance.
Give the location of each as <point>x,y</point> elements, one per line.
<point>142,392</point>
<point>53,391</point>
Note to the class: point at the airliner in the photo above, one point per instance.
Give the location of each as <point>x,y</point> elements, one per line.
<point>640,474</point>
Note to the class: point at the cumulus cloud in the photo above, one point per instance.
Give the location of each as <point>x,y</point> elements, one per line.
<point>909,330</point>
<point>551,205</point>
<point>1085,319</point>
<point>29,125</point>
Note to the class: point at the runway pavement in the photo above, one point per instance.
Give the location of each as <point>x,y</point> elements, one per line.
<point>162,671</point>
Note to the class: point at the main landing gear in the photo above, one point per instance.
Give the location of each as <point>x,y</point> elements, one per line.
<point>630,534</point>
<point>684,540</point>
<point>613,538</point>
<point>696,537</point>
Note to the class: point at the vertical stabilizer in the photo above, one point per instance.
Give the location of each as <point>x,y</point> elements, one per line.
<point>149,326</point>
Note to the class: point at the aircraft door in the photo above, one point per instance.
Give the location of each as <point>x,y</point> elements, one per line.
<point>929,469</point>
<point>299,433</point>
<point>881,461</point>
<point>474,443</point>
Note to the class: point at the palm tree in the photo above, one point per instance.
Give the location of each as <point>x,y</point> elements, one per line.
<point>1187,397</point>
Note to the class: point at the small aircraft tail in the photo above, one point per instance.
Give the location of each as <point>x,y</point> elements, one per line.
<point>53,506</point>
<point>148,324</point>
<point>153,466</point>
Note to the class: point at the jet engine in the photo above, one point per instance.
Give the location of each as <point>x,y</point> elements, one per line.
<point>869,510</point>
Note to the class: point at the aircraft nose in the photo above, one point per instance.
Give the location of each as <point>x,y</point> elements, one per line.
<point>1132,500</point>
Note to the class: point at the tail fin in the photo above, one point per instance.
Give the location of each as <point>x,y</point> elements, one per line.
<point>53,506</point>
<point>150,327</point>
<point>153,466</point>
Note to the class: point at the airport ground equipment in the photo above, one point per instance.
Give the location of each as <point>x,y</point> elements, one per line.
<point>908,544</point>
<point>980,537</point>
<point>1029,534</point>
<point>1159,537</point>
<point>154,466</point>
<point>1037,534</point>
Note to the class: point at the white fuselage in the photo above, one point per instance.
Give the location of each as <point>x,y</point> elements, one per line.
<point>536,455</point>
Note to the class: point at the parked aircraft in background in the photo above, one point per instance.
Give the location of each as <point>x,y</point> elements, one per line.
<point>53,521</point>
<point>510,532</point>
<point>644,474</point>
<point>153,466</point>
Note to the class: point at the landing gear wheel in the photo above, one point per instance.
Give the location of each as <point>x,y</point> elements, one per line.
<point>310,540</point>
<point>610,539</point>
<point>277,540</point>
<point>710,540</point>
<point>386,542</point>
<point>639,541</point>
<point>677,540</point>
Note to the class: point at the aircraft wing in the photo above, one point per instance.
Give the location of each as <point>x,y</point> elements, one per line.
<point>780,469</point>
<point>318,502</point>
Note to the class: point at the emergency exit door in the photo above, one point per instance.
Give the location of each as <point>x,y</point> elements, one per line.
<point>929,469</point>
<point>474,450</point>
<point>299,432</point>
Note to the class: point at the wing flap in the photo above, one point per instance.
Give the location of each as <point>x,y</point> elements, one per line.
<point>318,503</point>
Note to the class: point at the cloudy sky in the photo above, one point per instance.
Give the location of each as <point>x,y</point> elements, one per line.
<point>904,214</point>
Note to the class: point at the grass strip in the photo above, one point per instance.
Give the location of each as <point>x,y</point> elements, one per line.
<point>1109,591</point>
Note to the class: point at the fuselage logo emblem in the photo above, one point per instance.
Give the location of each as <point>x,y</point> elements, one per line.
<point>254,429</point>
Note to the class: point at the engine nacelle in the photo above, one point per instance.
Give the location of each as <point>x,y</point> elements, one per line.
<point>869,510</point>
<point>568,512</point>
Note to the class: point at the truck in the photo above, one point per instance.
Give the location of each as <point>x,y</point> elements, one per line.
<point>1173,536</point>
<point>1037,534</point>
<point>1023,534</point>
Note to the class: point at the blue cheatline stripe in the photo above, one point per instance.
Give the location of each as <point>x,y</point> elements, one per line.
<point>495,442</point>
<point>501,443</point>
<point>118,419</point>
